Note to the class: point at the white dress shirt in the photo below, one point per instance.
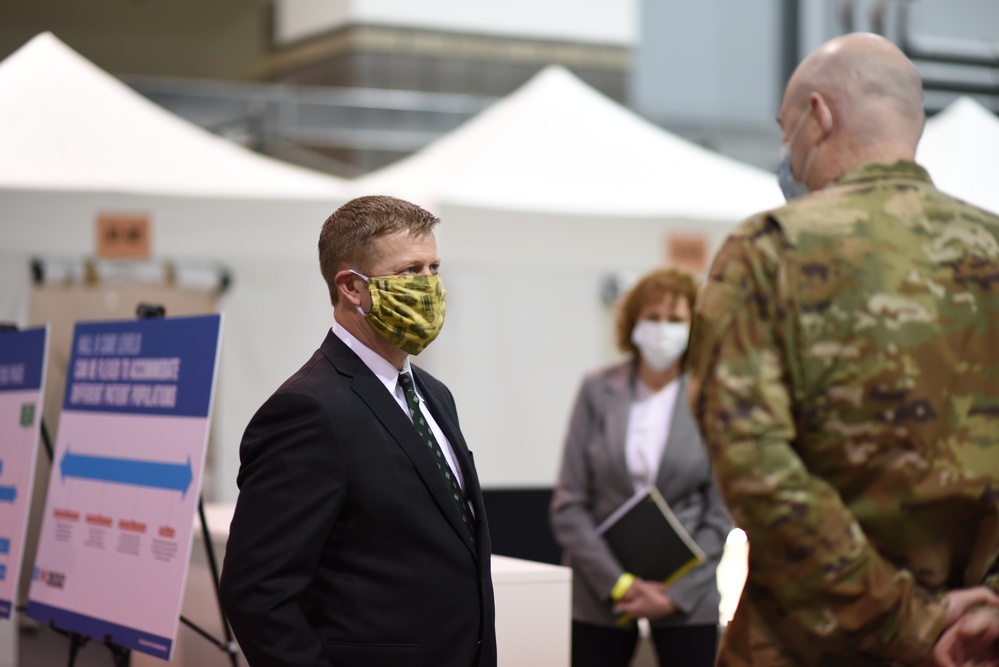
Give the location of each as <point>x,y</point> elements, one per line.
<point>649,420</point>
<point>389,376</point>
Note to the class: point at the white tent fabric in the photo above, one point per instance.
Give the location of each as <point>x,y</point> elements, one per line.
<point>78,128</point>
<point>548,199</point>
<point>558,146</point>
<point>960,149</point>
<point>75,142</point>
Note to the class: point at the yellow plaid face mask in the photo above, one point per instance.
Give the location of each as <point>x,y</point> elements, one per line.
<point>406,310</point>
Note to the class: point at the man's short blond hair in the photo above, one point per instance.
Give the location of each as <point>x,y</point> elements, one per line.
<point>345,241</point>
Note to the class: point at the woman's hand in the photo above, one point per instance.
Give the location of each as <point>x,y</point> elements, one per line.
<point>645,599</point>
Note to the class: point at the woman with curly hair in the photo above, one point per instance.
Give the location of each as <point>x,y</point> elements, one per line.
<point>631,429</point>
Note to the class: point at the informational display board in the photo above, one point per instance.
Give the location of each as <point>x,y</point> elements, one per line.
<point>22,373</point>
<point>116,536</point>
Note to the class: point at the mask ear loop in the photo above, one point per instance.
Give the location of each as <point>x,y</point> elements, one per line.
<point>365,279</point>
<point>815,148</point>
<point>794,134</point>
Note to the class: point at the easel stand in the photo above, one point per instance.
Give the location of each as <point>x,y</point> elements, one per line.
<point>229,646</point>
<point>120,655</point>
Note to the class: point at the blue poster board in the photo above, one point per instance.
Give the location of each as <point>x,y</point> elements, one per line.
<point>126,477</point>
<point>22,374</point>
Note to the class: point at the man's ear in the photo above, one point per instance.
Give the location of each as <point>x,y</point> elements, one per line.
<point>822,112</point>
<point>347,284</point>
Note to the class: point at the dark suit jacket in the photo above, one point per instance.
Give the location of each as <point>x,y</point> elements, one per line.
<point>346,547</point>
<point>595,481</point>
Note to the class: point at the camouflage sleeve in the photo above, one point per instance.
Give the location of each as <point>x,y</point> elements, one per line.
<point>812,575</point>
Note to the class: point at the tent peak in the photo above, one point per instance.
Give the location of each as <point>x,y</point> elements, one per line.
<point>965,107</point>
<point>66,124</point>
<point>557,145</point>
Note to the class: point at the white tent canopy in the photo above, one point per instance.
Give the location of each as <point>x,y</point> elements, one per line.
<point>75,142</point>
<point>549,199</point>
<point>68,125</point>
<point>558,146</point>
<point>960,149</point>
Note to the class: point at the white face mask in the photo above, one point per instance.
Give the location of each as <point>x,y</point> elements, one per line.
<point>660,343</point>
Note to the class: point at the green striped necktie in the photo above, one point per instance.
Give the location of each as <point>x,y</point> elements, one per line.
<point>427,436</point>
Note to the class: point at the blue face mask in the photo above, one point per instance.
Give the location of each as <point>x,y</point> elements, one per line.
<point>789,185</point>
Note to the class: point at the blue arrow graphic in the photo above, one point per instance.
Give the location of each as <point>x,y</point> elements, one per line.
<point>7,494</point>
<point>153,474</point>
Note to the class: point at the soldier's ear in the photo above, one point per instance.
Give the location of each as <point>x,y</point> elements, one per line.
<point>822,113</point>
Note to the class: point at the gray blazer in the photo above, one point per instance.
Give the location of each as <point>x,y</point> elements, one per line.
<point>594,481</point>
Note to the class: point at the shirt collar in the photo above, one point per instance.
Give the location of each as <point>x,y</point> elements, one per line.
<point>379,365</point>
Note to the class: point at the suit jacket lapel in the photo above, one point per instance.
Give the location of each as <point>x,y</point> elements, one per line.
<point>384,407</point>
<point>683,436</point>
<point>620,389</point>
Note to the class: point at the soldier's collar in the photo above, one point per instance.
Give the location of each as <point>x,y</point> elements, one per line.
<point>880,170</point>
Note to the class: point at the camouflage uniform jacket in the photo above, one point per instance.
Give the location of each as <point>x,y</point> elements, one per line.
<point>846,379</point>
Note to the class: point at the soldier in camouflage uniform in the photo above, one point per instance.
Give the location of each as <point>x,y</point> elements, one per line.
<point>846,379</point>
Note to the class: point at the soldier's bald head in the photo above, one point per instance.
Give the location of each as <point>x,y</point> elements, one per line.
<point>874,88</point>
<point>855,100</point>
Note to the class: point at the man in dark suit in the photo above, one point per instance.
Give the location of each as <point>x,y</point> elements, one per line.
<point>359,536</point>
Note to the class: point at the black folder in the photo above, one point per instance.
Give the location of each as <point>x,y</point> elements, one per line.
<point>649,540</point>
